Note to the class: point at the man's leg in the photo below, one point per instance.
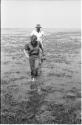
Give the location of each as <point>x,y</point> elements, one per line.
<point>32,64</point>
<point>37,66</point>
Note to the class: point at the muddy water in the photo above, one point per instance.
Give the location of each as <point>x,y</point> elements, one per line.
<point>55,96</point>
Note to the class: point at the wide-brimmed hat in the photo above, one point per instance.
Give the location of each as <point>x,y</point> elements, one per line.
<point>38,26</point>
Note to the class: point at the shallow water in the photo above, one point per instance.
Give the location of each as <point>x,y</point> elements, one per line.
<point>56,95</point>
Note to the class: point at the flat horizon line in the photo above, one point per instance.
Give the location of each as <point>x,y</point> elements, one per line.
<point>34,27</point>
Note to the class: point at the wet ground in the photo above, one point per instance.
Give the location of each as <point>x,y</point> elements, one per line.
<point>55,97</point>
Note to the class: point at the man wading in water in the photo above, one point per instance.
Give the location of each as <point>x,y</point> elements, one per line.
<point>32,51</point>
<point>39,34</point>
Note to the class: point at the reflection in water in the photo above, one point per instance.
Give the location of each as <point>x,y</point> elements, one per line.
<point>36,100</point>
<point>29,110</point>
<point>37,110</point>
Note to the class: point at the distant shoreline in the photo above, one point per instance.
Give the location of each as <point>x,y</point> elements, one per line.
<point>58,29</point>
<point>25,31</point>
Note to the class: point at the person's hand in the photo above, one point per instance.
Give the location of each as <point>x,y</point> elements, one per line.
<point>43,57</point>
<point>43,54</point>
<point>27,56</point>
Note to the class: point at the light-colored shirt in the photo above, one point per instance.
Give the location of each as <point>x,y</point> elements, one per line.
<point>38,34</point>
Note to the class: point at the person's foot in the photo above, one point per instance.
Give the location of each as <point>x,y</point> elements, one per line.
<point>33,79</point>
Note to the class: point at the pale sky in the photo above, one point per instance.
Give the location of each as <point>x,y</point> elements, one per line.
<point>50,14</point>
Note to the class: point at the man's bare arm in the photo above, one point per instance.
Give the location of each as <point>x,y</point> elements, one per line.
<point>40,45</point>
<point>26,53</point>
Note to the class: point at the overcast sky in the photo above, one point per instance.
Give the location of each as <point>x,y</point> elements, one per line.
<point>50,14</point>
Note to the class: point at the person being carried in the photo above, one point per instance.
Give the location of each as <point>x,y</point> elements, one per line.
<point>32,51</point>
<point>38,33</point>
